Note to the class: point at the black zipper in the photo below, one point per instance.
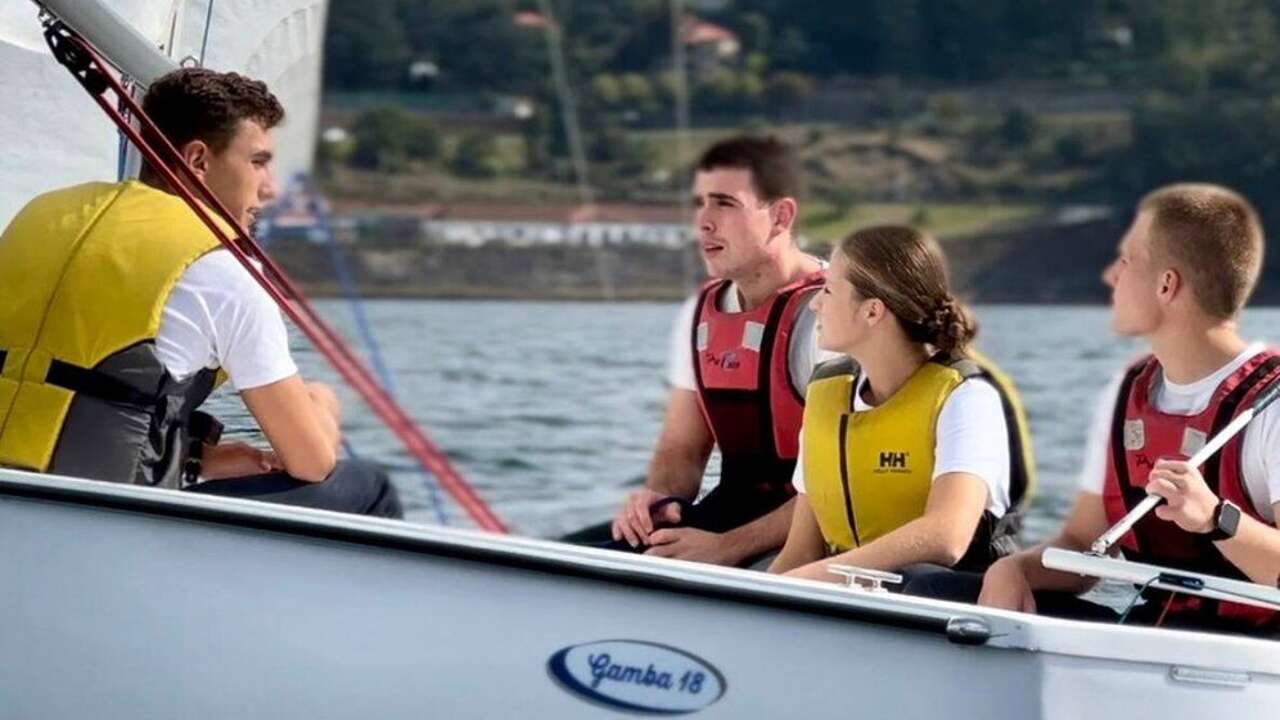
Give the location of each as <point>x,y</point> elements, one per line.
<point>844,480</point>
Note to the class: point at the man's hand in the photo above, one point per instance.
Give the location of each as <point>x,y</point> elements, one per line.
<point>1005,586</point>
<point>1188,500</point>
<point>237,459</point>
<point>634,523</point>
<point>692,544</point>
<point>298,421</point>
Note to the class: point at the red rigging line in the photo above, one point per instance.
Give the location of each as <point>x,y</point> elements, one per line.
<point>90,69</point>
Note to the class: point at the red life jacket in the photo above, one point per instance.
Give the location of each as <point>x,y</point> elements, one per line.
<point>1141,435</point>
<point>743,373</point>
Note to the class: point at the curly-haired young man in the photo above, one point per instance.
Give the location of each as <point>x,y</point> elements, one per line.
<point>127,308</point>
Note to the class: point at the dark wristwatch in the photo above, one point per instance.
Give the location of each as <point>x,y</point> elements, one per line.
<point>1226,521</point>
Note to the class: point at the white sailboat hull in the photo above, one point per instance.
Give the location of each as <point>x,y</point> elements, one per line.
<point>132,602</point>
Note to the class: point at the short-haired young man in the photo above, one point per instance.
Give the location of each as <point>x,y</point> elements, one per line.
<point>122,308</point>
<point>1185,270</point>
<point>741,355</point>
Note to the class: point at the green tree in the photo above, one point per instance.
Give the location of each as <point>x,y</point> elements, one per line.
<point>381,139</point>
<point>537,132</point>
<point>607,89</point>
<point>750,91</point>
<point>947,109</point>
<point>1019,127</point>
<point>422,141</point>
<point>1169,145</point>
<point>718,93</point>
<point>892,105</point>
<point>753,28</point>
<point>728,91</point>
<point>327,157</point>
<point>638,93</point>
<point>788,89</point>
<point>477,156</point>
<point>843,199</point>
<point>366,45</point>
<point>792,49</point>
<point>476,43</point>
<point>613,146</point>
<point>1069,149</point>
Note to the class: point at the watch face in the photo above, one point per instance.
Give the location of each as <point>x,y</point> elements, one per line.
<point>1229,519</point>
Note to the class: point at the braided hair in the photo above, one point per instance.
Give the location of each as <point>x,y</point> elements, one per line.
<point>905,269</point>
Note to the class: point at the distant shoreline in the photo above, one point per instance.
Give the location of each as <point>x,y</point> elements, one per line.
<point>1057,265</point>
<point>384,292</point>
<point>333,292</point>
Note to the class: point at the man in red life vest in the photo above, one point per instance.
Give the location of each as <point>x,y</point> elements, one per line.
<point>1185,270</point>
<point>741,355</point>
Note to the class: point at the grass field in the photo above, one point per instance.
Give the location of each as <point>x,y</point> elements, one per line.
<point>820,223</point>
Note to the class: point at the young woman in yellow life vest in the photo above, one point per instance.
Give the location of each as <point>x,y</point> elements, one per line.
<point>914,450</point>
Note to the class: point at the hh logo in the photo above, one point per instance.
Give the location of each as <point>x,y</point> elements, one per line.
<point>727,361</point>
<point>893,462</point>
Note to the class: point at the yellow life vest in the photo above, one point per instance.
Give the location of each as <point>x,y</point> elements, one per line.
<point>868,473</point>
<point>86,273</point>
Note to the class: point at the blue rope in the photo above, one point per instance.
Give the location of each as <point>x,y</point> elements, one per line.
<point>349,290</point>
<point>122,149</point>
<point>365,329</point>
<point>122,157</point>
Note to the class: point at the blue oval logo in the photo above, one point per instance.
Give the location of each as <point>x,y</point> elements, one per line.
<point>638,676</point>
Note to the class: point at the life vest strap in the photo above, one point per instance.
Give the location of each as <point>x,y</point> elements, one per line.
<point>92,383</point>
<point>98,385</point>
<point>1227,411</point>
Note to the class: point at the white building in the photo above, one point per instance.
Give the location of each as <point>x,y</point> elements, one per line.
<point>523,226</point>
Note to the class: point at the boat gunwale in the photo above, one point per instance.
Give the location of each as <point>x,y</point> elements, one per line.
<point>471,545</point>
<point>1009,631</point>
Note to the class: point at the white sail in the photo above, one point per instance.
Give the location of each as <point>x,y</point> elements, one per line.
<point>55,134</point>
<point>277,41</point>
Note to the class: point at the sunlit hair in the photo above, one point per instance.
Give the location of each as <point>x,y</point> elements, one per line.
<point>1213,237</point>
<point>201,104</point>
<point>906,270</point>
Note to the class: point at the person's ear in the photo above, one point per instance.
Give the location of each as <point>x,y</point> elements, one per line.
<point>1170,285</point>
<point>873,311</point>
<point>784,215</point>
<point>197,155</point>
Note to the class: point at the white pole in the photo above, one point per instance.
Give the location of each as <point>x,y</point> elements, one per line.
<point>1117,531</point>
<point>125,47</point>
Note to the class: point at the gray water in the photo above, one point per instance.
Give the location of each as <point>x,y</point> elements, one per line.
<point>551,409</point>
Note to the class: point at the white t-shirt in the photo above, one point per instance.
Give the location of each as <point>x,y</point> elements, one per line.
<point>1261,451</point>
<point>218,316</point>
<point>803,354</point>
<point>970,437</point>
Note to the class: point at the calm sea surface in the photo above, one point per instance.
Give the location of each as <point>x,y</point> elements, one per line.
<point>551,409</point>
